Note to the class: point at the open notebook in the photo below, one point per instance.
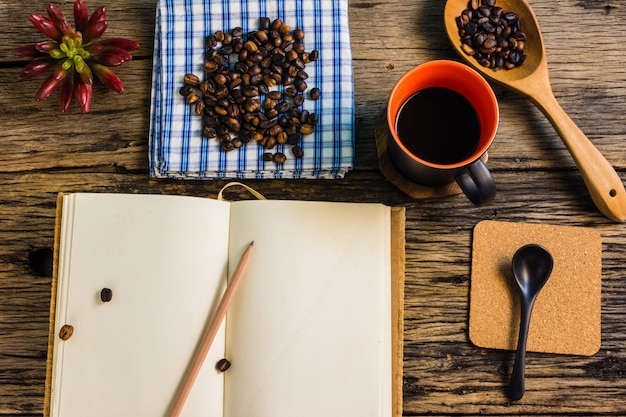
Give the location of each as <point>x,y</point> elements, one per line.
<point>315,328</point>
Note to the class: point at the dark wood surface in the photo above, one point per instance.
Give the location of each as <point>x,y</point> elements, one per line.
<point>43,152</point>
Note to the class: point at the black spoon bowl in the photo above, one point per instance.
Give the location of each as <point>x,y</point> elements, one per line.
<point>532,266</point>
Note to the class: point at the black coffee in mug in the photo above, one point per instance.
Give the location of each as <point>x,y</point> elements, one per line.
<point>438,125</point>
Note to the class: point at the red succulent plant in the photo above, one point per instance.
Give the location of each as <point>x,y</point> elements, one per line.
<point>74,55</point>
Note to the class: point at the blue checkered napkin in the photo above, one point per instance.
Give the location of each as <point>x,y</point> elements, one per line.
<point>177,148</point>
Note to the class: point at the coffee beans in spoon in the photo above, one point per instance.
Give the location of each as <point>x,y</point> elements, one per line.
<point>491,35</point>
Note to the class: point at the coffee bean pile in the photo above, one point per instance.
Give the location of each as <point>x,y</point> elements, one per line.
<point>240,99</point>
<point>492,36</point>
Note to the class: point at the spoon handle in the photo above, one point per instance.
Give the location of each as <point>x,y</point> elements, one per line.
<point>602,181</point>
<point>516,384</point>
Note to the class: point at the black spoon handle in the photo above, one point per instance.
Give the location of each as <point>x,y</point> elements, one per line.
<point>516,385</point>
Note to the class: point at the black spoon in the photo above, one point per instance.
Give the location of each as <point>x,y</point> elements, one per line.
<point>532,266</point>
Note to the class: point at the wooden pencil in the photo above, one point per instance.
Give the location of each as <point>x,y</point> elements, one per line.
<point>209,334</point>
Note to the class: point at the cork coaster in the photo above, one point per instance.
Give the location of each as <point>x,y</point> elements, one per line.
<point>388,169</point>
<point>566,315</point>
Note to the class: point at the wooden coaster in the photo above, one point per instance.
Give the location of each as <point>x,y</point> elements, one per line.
<point>566,315</point>
<point>388,169</point>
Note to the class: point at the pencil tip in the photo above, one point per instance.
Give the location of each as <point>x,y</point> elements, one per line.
<point>252,243</point>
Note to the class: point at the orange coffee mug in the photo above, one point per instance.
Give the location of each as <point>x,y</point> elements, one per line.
<point>442,117</point>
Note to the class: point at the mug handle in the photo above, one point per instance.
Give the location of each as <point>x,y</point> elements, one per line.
<point>477,183</point>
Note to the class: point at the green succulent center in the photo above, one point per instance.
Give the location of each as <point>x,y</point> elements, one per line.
<point>71,50</point>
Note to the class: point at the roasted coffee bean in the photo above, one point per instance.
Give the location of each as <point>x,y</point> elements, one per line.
<point>207,87</point>
<point>274,130</point>
<point>263,89</point>
<point>209,132</point>
<point>237,142</point>
<point>221,91</point>
<point>257,136</point>
<point>298,34</point>
<point>292,71</point>
<point>210,101</point>
<point>294,139</point>
<point>199,108</point>
<point>281,137</point>
<point>106,295</point>
<point>220,110</point>
<point>250,46</point>
<point>270,142</point>
<point>290,129</point>
<point>470,28</point>
<point>192,97</point>
<point>290,92</point>
<point>300,84</point>
<point>191,79</point>
<point>237,32</point>
<point>185,90</point>
<point>269,81</point>
<point>251,105</point>
<point>255,79</point>
<point>298,99</point>
<point>299,63</point>
<point>233,124</point>
<point>282,107</point>
<point>297,152</point>
<point>279,158</point>
<point>306,129</point>
<point>262,37</point>
<point>491,35</point>
<point>221,60</point>
<point>291,55</point>
<point>265,23</point>
<point>223,102</point>
<point>254,69</point>
<point>284,29</point>
<point>66,332</point>
<point>286,79</point>
<point>275,95</point>
<point>276,24</point>
<point>315,93</point>
<point>234,83</point>
<point>286,46</point>
<point>237,45</point>
<point>220,79</point>
<point>251,91</point>
<point>210,54</point>
<point>210,66</point>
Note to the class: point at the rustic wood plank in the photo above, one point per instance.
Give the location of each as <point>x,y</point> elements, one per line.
<point>45,152</point>
<point>133,20</point>
<point>378,62</point>
<point>443,372</point>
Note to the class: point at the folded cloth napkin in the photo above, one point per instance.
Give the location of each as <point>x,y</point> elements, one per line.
<point>177,147</point>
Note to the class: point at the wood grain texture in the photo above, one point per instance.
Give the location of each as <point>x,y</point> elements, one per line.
<point>44,152</point>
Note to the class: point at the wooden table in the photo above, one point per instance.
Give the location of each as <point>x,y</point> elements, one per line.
<point>44,152</point>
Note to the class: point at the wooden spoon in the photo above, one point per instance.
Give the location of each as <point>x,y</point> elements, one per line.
<point>531,80</point>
